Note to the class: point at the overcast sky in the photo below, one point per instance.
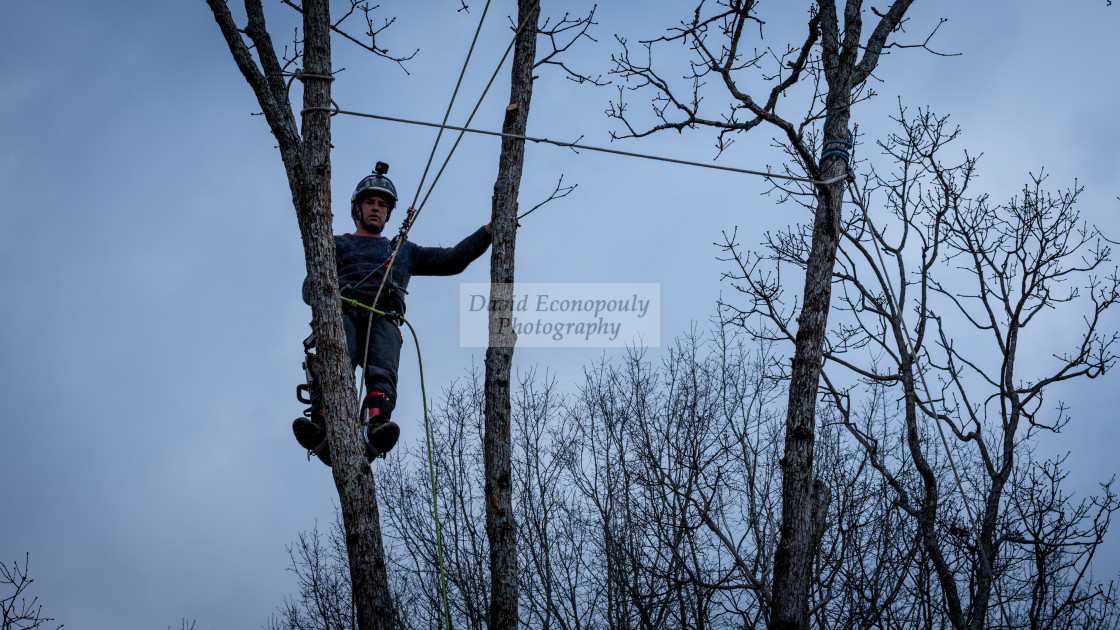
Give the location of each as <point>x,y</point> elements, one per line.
<point>151,261</point>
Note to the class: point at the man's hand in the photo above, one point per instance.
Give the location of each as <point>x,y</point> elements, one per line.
<point>516,207</point>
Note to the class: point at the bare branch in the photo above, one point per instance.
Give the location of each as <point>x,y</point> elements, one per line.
<point>887,25</point>
<point>371,31</point>
<point>561,36</point>
<point>559,192</point>
<point>16,612</point>
<point>268,86</point>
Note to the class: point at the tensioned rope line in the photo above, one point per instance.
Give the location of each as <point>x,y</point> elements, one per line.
<point>410,215</point>
<point>477,105</point>
<point>454,93</point>
<point>587,147</point>
<point>414,211</point>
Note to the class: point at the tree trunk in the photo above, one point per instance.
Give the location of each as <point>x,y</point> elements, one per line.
<point>500,526</point>
<point>802,496</point>
<point>307,163</point>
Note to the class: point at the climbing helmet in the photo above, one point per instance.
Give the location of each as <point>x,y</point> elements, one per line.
<point>376,182</point>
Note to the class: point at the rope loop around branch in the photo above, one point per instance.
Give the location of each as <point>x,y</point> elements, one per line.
<point>299,74</point>
<point>303,76</point>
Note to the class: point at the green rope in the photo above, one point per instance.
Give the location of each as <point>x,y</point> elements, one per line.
<point>431,464</point>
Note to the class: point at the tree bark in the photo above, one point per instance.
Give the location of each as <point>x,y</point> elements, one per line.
<point>306,159</point>
<point>500,525</point>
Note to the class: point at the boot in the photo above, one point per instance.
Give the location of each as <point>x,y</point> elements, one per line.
<point>311,433</point>
<point>381,434</point>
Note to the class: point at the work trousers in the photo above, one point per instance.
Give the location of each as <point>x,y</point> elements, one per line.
<point>383,344</point>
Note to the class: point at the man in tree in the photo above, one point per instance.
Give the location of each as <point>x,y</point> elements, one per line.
<point>374,340</point>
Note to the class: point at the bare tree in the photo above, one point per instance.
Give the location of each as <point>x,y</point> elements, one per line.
<point>325,600</point>
<point>653,439</point>
<point>500,526</point>
<point>1051,541</point>
<point>649,497</point>
<point>501,531</point>
<point>554,533</point>
<point>305,152</point>
<point>839,58</point>
<point>923,284</point>
<point>18,613</point>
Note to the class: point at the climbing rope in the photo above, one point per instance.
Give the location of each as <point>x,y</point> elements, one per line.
<point>454,93</point>
<point>428,439</point>
<point>414,210</point>
<point>410,217</point>
<point>477,105</point>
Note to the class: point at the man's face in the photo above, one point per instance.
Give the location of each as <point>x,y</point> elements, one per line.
<point>372,213</point>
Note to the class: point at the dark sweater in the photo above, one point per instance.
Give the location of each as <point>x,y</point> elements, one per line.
<point>360,259</point>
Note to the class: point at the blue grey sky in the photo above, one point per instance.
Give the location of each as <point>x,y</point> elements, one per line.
<point>151,261</point>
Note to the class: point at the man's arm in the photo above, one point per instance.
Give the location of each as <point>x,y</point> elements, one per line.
<point>448,261</point>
